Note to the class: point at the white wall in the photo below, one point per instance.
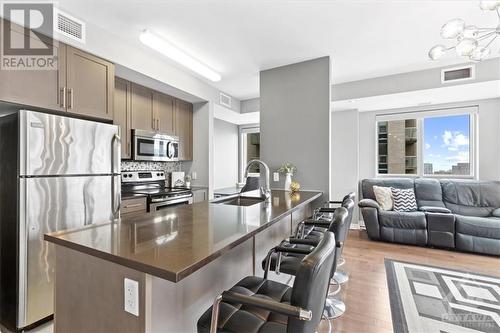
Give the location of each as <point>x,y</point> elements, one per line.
<point>354,131</point>
<point>202,146</point>
<point>488,137</point>
<point>345,155</point>
<point>225,154</point>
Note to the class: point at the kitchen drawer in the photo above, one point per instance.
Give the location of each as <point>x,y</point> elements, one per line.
<point>133,205</point>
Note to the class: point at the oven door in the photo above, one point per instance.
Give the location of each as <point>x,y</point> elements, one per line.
<point>169,203</point>
<point>150,149</point>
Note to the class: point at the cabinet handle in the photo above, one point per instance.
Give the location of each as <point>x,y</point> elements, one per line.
<point>153,124</point>
<point>158,124</point>
<point>70,102</point>
<point>63,98</point>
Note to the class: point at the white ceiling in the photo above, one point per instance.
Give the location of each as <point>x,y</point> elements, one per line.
<point>238,38</point>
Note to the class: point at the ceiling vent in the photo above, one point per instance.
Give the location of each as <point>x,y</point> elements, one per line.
<point>69,26</point>
<point>458,74</point>
<point>225,100</point>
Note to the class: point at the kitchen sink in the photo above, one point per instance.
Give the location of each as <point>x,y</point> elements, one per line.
<point>241,201</point>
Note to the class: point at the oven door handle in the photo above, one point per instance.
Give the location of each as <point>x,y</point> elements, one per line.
<point>154,205</point>
<point>176,198</point>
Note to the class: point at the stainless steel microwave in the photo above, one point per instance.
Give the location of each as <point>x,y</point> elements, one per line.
<point>153,146</point>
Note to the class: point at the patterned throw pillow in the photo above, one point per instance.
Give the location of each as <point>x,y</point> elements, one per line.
<point>383,195</point>
<point>404,200</point>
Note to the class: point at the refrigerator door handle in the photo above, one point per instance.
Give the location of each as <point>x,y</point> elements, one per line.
<point>115,207</point>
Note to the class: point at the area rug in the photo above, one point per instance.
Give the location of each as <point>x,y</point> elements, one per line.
<point>427,299</point>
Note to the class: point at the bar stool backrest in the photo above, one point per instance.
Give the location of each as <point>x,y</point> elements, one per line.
<point>311,285</point>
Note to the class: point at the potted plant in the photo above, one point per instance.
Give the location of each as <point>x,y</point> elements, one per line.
<point>288,169</point>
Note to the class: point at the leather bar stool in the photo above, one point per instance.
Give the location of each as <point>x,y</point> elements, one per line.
<point>287,259</point>
<point>259,305</point>
<point>311,228</point>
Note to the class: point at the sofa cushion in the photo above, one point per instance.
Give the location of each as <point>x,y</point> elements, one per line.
<point>434,209</point>
<point>367,185</point>
<point>487,227</point>
<point>496,212</point>
<point>404,200</point>
<point>471,198</point>
<point>384,197</point>
<point>428,192</point>
<point>402,220</point>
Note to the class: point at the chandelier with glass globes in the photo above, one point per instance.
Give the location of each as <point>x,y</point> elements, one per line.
<point>471,41</point>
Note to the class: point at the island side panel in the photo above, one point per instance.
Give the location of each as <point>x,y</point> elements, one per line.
<point>89,295</point>
<point>176,307</point>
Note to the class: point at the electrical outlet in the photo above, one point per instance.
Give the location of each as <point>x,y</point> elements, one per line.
<point>194,175</point>
<point>276,176</point>
<point>131,299</point>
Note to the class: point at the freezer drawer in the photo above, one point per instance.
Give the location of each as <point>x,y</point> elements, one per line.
<point>47,205</point>
<point>55,145</point>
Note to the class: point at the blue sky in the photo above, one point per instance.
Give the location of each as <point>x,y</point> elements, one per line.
<point>446,141</point>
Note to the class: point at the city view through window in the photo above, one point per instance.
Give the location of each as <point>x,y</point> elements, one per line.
<point>445,150</point>
<point>446,145</point>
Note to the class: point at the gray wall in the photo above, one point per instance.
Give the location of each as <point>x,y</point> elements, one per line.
<point>295,121</point>
<point>487,70</point>
<point>250,105</point>
<point>225,154</point>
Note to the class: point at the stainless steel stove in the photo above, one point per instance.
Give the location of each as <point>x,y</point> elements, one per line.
<point>152,184</point>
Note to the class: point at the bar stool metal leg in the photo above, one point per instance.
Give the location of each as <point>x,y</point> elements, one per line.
<point>341,277</point>
<point>341,262</point>
<point>334,308</point>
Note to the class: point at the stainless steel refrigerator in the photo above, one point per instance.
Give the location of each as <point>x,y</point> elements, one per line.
<point>56,173</point>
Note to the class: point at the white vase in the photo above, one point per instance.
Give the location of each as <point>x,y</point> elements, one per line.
<point>288,181</point>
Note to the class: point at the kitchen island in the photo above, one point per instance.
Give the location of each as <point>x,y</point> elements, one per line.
<point>181,257</point>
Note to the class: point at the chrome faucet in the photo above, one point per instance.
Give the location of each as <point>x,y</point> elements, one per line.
<point>265,191</point>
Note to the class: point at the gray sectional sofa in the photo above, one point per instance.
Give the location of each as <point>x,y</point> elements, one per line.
<point>456,214</point>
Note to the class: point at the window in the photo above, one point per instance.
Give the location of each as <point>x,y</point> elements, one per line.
<point>436,143</point>
<point>249,149</point>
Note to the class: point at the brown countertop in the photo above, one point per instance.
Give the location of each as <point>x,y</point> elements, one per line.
<point>175,242</point>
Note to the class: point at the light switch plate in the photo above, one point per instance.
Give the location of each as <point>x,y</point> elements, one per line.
<point>131,298</point>
<point>276,176</point>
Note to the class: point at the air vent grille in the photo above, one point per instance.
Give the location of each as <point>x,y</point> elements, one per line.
<point>69,26</point>
<point>225,100</point>
<point>457,74</point>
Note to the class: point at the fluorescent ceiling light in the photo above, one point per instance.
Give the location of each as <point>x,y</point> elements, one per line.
<point>164,47</point>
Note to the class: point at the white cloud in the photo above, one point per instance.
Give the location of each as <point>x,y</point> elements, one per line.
<point>427,146</point>
<point>461,157</point>
<point>454,140</point>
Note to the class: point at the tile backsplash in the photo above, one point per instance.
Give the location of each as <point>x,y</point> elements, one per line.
<point>167,167</point>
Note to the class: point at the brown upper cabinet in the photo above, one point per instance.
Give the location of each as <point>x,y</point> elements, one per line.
<point>139,107</point>
<point>183,115</point>
<point>163,112</point>
<point>122,114</point>
<point>38,88</point>
<point>89,83</point>
<point>142,108</point>
<point>80,83</point>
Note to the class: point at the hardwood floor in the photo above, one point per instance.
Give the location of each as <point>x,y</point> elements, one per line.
<point>366,295</point>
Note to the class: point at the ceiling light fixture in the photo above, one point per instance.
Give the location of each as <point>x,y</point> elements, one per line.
<point>162,46</point>
<point>469,37</point>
